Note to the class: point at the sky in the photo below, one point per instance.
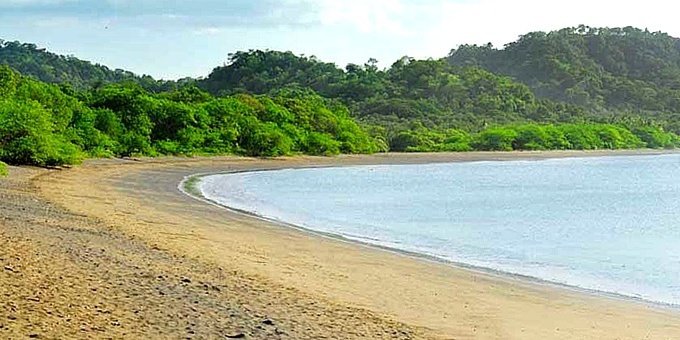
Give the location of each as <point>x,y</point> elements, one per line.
<point>178,38</point>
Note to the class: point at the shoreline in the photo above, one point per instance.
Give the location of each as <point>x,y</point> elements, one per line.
<point>189,184</point>
<point>141,199</point>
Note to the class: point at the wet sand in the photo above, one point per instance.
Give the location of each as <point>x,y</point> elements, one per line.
<point>161,262</point>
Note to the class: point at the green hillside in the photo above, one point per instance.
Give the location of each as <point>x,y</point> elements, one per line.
<point>52,68</point>
<point>429,92</point>
<point>414,104</point>
<point>604,70</point>
<point>42,124</point>
<point>568,89</point>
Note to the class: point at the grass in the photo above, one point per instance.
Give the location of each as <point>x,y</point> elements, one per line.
<point>190,186</point>
<point>3,170</point>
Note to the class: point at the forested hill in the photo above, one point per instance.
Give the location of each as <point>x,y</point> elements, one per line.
<point>420,104</point>
<point>428,92</point>
<point>602,69</point>
<point>48,67</point>
<point>572,89</point>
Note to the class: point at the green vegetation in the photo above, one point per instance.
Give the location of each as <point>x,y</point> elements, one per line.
<point>577,88</point>
<point>431,92</point>
<point>48,67</point>
<point>440,105</point>
<point>3,169</point>
<point>583,136</point>
<point>607,71</point>
<point>41,124</point>
<point>190,185</point>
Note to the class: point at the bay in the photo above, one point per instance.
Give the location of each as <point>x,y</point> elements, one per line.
<point>610,224</point>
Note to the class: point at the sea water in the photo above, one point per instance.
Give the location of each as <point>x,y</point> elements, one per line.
<point>610,224</point>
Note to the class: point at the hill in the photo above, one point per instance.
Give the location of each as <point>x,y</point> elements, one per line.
<point>604,70</point>
<point>43,124</point>
<point>423,104</point>
<point>52,68</point>
<point>428,92</point>
<point>269,103</point>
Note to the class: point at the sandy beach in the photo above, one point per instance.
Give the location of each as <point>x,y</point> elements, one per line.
<point>113,249</point>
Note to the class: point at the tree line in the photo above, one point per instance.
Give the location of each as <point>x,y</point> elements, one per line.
<point>44,124</point>
<point>413,96</point>
<point>577,88</point>
<point>604,70</point>
<point>532,136</point>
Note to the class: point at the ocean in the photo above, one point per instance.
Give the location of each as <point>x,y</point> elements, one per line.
<point>609,224</point>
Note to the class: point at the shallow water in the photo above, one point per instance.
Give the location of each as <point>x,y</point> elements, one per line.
<point>610,224</point>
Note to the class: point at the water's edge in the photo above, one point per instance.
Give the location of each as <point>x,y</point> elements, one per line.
<point>189,187</point>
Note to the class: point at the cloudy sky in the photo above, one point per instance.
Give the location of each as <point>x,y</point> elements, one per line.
<point>176,38</point>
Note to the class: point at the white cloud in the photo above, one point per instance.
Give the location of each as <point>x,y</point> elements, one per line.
<point>377,16</point>
<point>444,24</point>
<point>388,29</point>
<point>340,31</point>
<point>500,21</point>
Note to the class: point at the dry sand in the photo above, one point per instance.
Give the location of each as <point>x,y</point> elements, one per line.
<point>117,249</point>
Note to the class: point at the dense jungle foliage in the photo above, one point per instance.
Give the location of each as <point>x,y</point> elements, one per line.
<point>604,70</point>
<point>577,88</point>
<point>52,68</point>
<point>44,124</point>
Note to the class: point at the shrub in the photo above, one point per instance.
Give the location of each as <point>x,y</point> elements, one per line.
<point>581,137</point>
<point>495,139</point>
<point>265,139</point>
<point>404,141</point>
<point>530,137</point>
<point>654,138</point>
<point>456,140</point>
<point>321,144</point>
<point>3,169</point>
<point>26,136</point>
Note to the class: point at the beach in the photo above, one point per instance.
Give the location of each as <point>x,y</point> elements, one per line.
<point>116,248</point>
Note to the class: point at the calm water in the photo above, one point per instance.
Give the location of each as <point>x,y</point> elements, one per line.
<point>610,224</point>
